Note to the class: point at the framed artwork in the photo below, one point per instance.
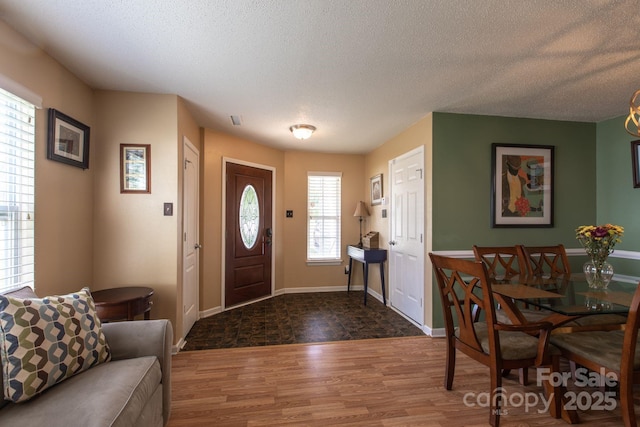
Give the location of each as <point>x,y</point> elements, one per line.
<point>635,162</point>
<point>376,190</point>
<point>521,185</point>
<point>67,140</point>
<point>135,168</point>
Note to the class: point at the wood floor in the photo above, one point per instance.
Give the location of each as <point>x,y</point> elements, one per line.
<point>374,382</point>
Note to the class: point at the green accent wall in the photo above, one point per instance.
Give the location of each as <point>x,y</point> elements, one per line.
<point>462,179</point>
<point>617,201</point>
<point>462,182</point>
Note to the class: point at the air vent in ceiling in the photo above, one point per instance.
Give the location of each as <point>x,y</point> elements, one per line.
<point>236,120</point>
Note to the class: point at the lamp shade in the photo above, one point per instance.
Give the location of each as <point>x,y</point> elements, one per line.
<point>361,209</point>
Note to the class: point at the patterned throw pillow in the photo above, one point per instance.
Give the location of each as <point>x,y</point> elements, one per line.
<point>44,341</point>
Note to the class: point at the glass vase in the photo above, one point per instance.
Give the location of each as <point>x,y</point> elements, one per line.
<point>598,274</point>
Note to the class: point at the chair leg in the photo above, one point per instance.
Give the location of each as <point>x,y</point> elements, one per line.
<point>496,396</point>
<point>626,403</point>
<point>450,365</point>
<point>524,376</point>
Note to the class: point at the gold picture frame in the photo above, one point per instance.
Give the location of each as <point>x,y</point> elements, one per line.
<point>135,168</point>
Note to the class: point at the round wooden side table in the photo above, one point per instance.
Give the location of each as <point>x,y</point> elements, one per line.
<point>123,303</point>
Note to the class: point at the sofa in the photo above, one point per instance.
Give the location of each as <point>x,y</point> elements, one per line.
<point>130,387</point>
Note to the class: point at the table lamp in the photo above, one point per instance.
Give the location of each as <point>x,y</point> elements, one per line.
<point>361,210</point>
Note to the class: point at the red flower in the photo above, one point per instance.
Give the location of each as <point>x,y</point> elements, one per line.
<point>600,232</point>
<point>523,207</point>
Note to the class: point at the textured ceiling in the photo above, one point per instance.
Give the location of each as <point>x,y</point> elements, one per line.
<point>361,71</point>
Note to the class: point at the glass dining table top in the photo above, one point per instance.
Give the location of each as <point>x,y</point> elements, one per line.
<point>570,296</point>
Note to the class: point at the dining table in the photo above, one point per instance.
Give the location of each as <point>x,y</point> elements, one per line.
<point>568,303</point>
<point>564,299</point>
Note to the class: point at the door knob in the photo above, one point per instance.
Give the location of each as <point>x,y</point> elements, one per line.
<point>392,242</point>
<point>197,246</point>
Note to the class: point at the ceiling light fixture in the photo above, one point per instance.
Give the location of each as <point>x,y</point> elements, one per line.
<point>302,131</point>
<point>634,115</point>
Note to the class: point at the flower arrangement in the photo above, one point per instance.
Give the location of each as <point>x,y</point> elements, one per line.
<point>598,241</point>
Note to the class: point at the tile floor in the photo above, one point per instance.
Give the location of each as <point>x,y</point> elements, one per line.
<point>300,318</point>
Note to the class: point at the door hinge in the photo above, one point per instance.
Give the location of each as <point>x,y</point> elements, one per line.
<point>420,237</point>
<point>185,236</point>
<point>420,172</point>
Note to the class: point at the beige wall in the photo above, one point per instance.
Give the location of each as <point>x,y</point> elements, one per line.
<point>297,273</point>
<point>291,270</point>
<point>64,194</point>
<point>88,233</point>
<point>134,243</point>
<point>420,134</point>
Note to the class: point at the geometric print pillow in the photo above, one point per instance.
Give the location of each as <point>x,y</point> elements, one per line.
<point>44,341</point>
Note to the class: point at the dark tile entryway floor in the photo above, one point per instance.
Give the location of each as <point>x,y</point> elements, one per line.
<point>300,318</point>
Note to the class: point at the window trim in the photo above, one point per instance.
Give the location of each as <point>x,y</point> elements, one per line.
<point>17,193</point>
<point>337,260</point>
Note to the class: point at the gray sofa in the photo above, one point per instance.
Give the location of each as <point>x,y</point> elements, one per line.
<point>133,389</point>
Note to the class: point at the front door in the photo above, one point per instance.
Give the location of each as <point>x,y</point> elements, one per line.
<point>406,247</point>
<point>249,233</point>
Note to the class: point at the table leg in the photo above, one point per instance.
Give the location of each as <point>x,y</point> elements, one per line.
<point>349,275</point>
<point>366,280</point>
<point>384,297</point>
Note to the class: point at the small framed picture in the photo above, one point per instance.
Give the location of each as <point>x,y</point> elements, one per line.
<point>635,163</point>
<point>135,168</point>
<point>522,185</point>
<point>67,140</point>
<point>376,190</point>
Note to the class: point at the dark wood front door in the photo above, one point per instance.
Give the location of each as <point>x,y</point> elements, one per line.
<point>248,234</point>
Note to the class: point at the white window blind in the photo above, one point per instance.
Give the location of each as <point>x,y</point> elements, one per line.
<point>17,184</point>
<point>323,221</point>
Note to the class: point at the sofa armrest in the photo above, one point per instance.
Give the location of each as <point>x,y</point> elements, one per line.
<point>137,338</point>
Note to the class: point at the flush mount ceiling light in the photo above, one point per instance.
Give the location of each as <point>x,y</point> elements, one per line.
<point>632,124</point>
<point>302,131</point>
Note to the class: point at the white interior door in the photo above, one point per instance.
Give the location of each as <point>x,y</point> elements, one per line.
<point>406,246</point>
<point>191,257</point>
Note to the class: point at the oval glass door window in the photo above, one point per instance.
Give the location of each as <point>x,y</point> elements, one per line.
<point>249,213</point>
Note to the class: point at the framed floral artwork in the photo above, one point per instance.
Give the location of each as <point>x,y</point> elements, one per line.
<point>521,185</point>
<point>135,168</point>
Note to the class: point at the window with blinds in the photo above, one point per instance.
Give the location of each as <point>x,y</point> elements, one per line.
<point>17,184</point>
<point>323,220</point>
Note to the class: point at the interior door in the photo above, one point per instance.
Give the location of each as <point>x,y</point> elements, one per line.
<point>249,233</point>
<point>191,257</point>
<point>406,246</point>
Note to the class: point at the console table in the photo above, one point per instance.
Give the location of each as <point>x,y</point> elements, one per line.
<point>123,303</point>
<point>366,257</point>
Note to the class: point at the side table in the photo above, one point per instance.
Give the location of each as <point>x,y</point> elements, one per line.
<point>123,303</point>
<point>366,257</point>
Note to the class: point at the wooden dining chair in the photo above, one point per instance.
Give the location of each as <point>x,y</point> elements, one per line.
<point>465,287</point>
<point>502,262</point>
<point>552,261</point>
<point>609,352</point>
<point>546,261</point>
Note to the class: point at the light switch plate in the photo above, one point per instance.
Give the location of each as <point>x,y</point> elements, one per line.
<point>168,209</point>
